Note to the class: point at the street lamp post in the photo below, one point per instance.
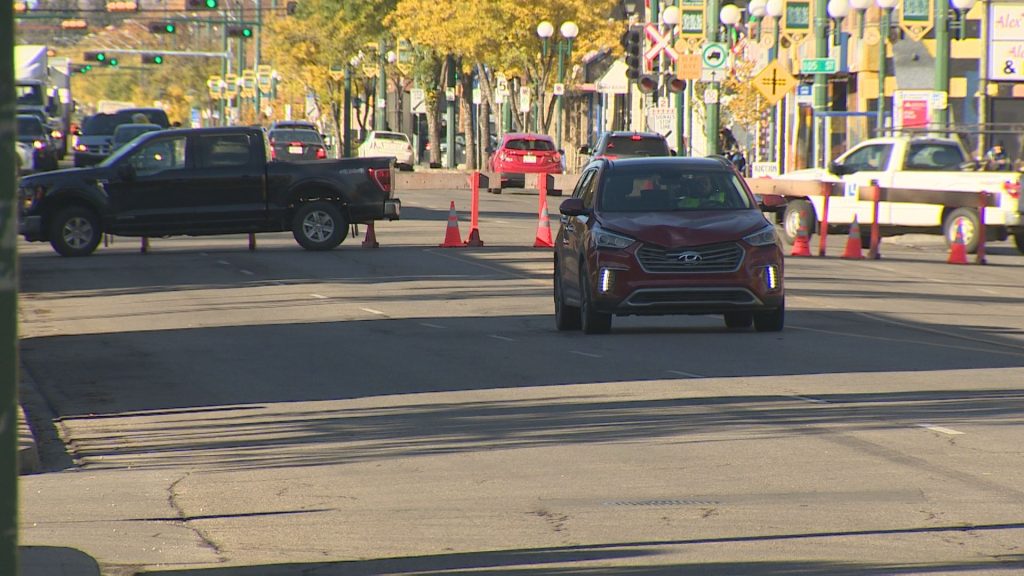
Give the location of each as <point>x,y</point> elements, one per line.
<point>711,100</point>
<point>836,11</point>
<point>569,31</point>
<point>943,27</point>
<point>545,30</point>
<point>671,17</point>
<point>883,35</point>
<point>346,124</point>
<point>380,115</point>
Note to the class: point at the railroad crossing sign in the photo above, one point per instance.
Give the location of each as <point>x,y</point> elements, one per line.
<point>774,82</point>
<point>660,43</point>
<point>714,56</point>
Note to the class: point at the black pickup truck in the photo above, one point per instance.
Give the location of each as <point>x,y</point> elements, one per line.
<point>200,182</point>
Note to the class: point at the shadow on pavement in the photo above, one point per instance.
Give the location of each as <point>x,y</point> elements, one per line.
<point>55,561</point>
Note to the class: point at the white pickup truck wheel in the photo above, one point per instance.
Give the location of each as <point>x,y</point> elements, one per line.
<point>967,221</point>
<point>798,212</point>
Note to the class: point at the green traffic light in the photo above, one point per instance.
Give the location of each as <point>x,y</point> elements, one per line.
<point>112,62</point>
<point>101,57</point>
<point>169,28</point>
<point>247,32</point>
<point>211,4</point>
<point>158,59</point>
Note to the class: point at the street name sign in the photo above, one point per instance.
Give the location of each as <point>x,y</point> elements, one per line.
<point>819,66</point>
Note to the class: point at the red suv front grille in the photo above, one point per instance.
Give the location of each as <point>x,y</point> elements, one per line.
<point>700,259</point>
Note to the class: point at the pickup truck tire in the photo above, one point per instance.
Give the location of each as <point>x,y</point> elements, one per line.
<point>75,231</point>
<point>319,226</point>
<point>968,220</point>
<point>798,212</point>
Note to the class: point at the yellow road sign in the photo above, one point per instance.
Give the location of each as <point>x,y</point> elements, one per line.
<point>688,67</point>
<point>774,82</point>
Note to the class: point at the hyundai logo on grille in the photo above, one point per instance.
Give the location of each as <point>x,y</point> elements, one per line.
<point>690,258</point>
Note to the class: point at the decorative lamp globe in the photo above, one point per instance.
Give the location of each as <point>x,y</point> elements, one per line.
<point>758,8</point>
<point>963,5</point>
<point>569,29</point>
<point>670,16</point>
<point>838,8</point>
<point>860,5</point>
<point>545,29</point>
<point>775,8</point>
<point>887,4</point>
<point>730,15</point>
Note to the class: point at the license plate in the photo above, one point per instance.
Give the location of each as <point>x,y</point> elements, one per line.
<point>530,159</point>
<point>295,149</point>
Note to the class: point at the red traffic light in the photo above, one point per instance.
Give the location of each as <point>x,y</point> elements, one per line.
<point>647,83</point>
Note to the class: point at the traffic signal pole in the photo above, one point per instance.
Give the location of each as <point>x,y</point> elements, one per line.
<point>8,303</point>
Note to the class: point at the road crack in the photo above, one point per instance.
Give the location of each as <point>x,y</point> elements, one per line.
<point>173,501</point>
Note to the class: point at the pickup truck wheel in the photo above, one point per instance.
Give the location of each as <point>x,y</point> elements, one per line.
<point>967,220</point>
<point>75,231</point>
<point>798,212</point>
<point>319,226</point>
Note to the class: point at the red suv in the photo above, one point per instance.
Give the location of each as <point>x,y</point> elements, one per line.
<point>651,236</point>
<point>519,154</point>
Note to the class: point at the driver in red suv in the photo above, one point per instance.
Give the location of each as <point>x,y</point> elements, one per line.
<point>648,236</point>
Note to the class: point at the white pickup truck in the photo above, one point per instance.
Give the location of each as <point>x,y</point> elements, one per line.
<point>921,163</point>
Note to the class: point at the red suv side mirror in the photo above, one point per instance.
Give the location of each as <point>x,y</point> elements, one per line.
<point>573,207</point>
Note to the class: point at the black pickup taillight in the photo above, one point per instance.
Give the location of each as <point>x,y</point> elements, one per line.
<point>382,176</point>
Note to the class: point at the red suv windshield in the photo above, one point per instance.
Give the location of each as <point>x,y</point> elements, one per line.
<point>671,188</point>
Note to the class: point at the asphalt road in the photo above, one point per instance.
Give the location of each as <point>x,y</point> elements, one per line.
<point>412,409</point>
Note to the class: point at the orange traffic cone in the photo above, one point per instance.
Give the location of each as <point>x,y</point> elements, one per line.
<point>958,251</point>
<point>802,245</point>
<point>854,247</point>
<point>543,228</point>
<point>370,240</point>
<point>452,238</point>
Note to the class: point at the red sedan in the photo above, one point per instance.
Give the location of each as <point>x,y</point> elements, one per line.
<point>520,153</point>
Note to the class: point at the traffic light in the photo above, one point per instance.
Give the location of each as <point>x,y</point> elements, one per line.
<point>202,4</point>
<point>112,61</point>
<point>647,83</point>
<point>633,42</point>
<point>239,32</point>
<point>162,27</point>
<point>676,85</point>
<point>81,68</point>
<point>100,57</point>
<point>152,58</point>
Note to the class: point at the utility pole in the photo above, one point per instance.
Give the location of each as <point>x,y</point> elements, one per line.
<point>8,303</point>
<point>380,115</point>
<point>942,50</point>
<point>711,104</point>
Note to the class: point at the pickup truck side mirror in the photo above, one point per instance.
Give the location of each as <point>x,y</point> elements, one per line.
<point>837,168</point>
<point>585,150</point>
<point>573,207</point>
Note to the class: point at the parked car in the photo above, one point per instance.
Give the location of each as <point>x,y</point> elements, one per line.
<point>200,182</point>
<point>125,133</point>
<point>23,158</point>
<point>96,136</point>
<point>294,125</point>
<point>622,144</point>
<point>32,132</point>
<point>650,236</point>
<point>296,144</point>
<point>381,143</point>
<point>522,153</point>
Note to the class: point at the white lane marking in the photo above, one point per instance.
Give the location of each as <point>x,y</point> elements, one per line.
<point>247,272</point>
<point>224,262</point>
<point>319,296</point>
<point>372,311</point>
<point>499,221</point>
<point>806,399</point>
<point>686,374</point>
<point>429,325</point>
<point>941,429</point>
<point>587,354</point>
<point>987,291</point>
<point>505,338</point>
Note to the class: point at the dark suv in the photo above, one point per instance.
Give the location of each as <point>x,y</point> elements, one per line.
<point>651,236</point>
<point>96,138</point>
<point>619,144</point>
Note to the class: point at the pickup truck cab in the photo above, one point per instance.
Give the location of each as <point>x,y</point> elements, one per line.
<point>922,163</point>
<point>204,181</point>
